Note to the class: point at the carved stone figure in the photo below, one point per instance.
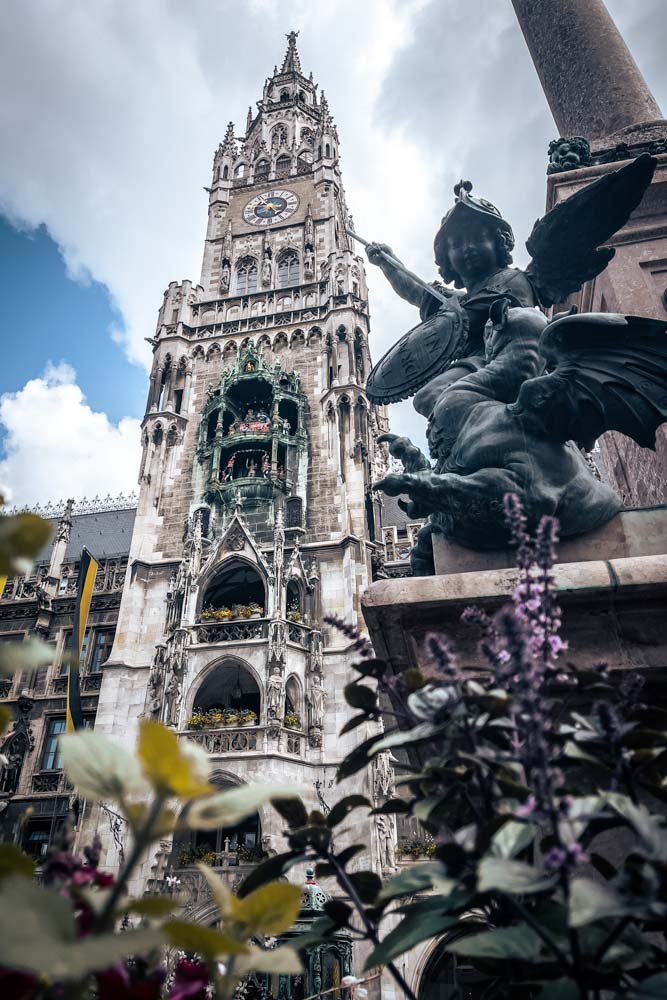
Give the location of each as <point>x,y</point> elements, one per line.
<point>277,642</point>
<point>386,840</point>
<point>315,699</point>
<point>497,424</point>
<point>275,694</point>
<point>309,265</point>
<point>224,277</point>
<point>316,658</point>
<point>11,770</point>
<point>384,785</point>
<point>266,272</point>
<point>173,698</point>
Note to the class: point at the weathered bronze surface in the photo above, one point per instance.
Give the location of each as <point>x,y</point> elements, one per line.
<point>496,422</point>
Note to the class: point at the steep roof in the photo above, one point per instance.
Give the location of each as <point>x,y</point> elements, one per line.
<point>105,533</point>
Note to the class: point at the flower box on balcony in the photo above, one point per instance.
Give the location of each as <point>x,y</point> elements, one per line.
<point>292,721</point>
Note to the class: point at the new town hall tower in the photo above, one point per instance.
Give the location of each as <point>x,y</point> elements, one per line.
<point>255,516</point>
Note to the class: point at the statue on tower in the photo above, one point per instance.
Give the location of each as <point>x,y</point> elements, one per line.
<point>476,365</point>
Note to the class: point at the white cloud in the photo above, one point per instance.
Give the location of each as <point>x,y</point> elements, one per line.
<point>56,446</point>
<point>111,112</point>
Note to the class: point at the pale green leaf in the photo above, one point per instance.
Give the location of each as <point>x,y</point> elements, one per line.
<point>26,655</point>
<point>38,934</point>
<point>592,900</point>
<point>22,537</point>
<point>504,942</point>
<point>651,829</point>
<point>206,941</point>
<point>651,988</point>
<point>512,838</point>
<point>281,961</point>
<point>234,805</point>
<point>173,767</point>
<point>422,923</point>
<point>100,768</point>
<point>403,737</point>
<point>14,862</point>
<point>410,880</point>
<point>496,874</point>
<point>271,909</point>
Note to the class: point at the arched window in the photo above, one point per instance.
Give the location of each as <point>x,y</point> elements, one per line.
<point>283,166</point>
<point>222,848</point>
<point>225,173</point>
<point>293,700</point>
<point>246,276</point>
<point>230,687</point>
<point>294,512</point>
<point>237,586</point>
<point>288,269</point>
<point>303,163</point>
<point>240,170</point>
<point>279,136</point>
<point>327,150</point>
<point>284,96</point>
<point>262,169</point>
<point>448,975</point>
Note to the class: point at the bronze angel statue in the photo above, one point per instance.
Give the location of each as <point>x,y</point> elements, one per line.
<point>512,400</point>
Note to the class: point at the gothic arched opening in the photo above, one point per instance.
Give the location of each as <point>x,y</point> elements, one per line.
<point>288,269</point>
<point>448,976</point>
<point>262,169</point>
<point>283,166</point>
<point>289,411</point>
<point>251,399</point>
<point>293,700</point>
<point>295,601</point>
<point>227,846</point>
<point>237,584</point>
<point>246,276</point>
<point>230,686</point>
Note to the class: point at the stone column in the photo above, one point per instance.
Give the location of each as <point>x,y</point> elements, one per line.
<point>592,83</point>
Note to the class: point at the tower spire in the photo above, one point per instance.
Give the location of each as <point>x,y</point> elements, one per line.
<point>291,62</point>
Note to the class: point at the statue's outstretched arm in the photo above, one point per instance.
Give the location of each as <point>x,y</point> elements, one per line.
<point>402,283</point>
<point>450,493</point>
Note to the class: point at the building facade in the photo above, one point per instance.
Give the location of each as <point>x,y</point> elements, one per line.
<point>255,519</point>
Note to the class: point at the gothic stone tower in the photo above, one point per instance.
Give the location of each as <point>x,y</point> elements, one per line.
<point>255,517</point>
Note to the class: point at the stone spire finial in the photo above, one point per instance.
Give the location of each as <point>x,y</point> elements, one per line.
<point>248,123</point>
<point>228,143</point>
<point>291,62</point>
<point>592,83</point>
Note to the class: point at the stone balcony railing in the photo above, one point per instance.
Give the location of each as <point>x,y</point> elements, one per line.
<point>248,740</point>
<point>299,633</point>
<point>188,883</point>
<point>236,630</point>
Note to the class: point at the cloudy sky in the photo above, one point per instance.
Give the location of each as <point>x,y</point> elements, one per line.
<point>110,112</point>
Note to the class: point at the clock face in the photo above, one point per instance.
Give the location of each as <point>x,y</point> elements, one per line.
<point>270,207</point>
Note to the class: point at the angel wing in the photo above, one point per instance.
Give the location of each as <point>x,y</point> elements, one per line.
<point>565,244</point>
<point>610,374</point>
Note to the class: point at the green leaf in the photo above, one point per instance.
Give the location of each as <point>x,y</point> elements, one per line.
<point>14,862</point>
<point>359,696</point>
<point>38,934</point>
<point>350,852</point>
<point>593,900</point>
<point>406,737</point>
<point>410,881</point>
<point>356,720</point>
<point>344,807</point>
<point>26,655</point>
<point>357,758</point>
<point>100,768</point>
<point>152,906</point>
<point>280,961</point>
<point>392,806</point>
<point>559,989</point>
<point>512,838</point>
<point>233,805</point>
<point>414,928</point>
<point>495,874</point>
<point>367,884</point>
<point>207,941</point>
<point>271,909</point>
<point>5,712</point>
<point>292,811</point>
<point>651,829</point>
<point>651,988</point>
<point>268,870</point>
<point>173,767</point>
<point>504,942</point>
<point>338,911</point>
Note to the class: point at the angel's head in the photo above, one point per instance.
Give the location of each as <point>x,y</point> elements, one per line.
<point>470,250</point>
<point>473,240</point>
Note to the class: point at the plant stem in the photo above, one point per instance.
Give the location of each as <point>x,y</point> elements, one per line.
<point>346,883</point>
<point>142,838</point>
<point>609,940</point>
<point>540,931</point>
